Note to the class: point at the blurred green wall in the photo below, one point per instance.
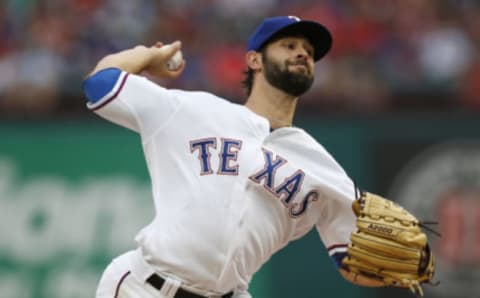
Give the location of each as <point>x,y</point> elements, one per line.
<point>73,195</point>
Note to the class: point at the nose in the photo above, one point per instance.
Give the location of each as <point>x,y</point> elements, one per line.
<point>302,57</point>
<point>302,54</point>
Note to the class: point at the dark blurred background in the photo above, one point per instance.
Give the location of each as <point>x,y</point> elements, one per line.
<point>396,102</point>
<point>388,55</point>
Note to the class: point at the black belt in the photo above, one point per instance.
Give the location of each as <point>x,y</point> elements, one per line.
<point>157,282</point>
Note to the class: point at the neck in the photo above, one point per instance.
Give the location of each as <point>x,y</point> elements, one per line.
<point>273,104</point>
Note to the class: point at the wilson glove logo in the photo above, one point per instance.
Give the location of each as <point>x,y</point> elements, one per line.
<point>380,229</point>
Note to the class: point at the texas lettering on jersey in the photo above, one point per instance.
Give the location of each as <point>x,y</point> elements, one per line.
<point>286,191</point>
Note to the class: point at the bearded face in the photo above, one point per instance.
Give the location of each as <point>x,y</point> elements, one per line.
<point>294,77</point>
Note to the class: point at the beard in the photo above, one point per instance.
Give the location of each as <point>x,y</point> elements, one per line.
<point>290,82</point>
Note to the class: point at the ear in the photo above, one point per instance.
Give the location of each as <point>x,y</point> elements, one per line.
<point>253,60</point>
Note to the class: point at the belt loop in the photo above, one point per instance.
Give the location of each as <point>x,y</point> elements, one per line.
<point>171,287</point>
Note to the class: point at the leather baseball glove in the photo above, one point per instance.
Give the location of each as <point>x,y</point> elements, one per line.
<point>389,245</point>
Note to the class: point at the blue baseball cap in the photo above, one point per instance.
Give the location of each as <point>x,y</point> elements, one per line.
<point>317,34</point>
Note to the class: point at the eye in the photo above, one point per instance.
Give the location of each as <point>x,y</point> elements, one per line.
<point>289,45</point>
<point>309,50</point>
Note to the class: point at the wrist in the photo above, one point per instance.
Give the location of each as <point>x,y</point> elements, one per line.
<point>141,58</point>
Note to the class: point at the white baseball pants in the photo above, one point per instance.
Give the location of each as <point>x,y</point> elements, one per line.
<point>125,277</point>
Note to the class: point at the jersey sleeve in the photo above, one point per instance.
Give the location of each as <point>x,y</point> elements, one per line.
<point>129,100</point>
<point>337,220</point>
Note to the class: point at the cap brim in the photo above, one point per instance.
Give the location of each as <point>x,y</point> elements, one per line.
<point>318,35</point>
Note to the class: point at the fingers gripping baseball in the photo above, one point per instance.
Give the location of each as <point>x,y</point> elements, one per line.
<point>167,60</point>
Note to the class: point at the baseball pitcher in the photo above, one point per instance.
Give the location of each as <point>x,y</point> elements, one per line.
<point>233,184</point>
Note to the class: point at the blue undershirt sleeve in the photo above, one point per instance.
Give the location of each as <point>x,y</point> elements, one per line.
<point>338,257</point>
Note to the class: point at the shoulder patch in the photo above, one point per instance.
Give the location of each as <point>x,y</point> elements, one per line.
<point>103,86</point>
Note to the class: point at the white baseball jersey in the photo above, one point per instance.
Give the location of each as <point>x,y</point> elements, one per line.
<point>228,192</point>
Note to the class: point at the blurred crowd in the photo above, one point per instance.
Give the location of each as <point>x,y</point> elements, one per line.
<point>388,55</point>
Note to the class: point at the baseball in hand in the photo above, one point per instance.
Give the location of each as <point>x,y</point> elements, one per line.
<point>176,61</point>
